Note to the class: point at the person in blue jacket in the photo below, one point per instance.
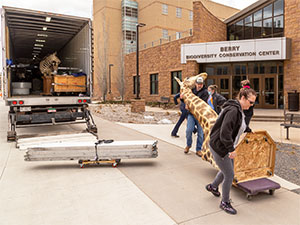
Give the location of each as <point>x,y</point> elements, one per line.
<point>182,117</point>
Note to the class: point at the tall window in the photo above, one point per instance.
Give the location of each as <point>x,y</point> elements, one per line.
<point>134,84</point>
<point>191,15</point>
<point>164,9</point>
<point>165,34</point>
<point>174,85</point>
<point>178,35</point>
<point>178,12</point>
<point>154,84</point>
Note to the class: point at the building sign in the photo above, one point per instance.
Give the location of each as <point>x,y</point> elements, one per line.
<point>236,51</point>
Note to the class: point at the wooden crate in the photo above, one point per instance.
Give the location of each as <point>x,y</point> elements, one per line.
<point>255,157</point>
<point>66,83</point>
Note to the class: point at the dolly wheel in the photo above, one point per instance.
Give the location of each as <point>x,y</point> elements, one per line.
<point>80,162</point>
<point>248,196</point>
<point>271,191</point>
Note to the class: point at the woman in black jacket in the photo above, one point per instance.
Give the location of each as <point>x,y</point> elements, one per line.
<point>224,137</point>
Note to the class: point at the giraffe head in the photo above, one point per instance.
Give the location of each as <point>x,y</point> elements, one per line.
<point>189,82</point>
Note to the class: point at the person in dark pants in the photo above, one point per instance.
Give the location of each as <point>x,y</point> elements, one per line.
<point>182,117</point>
<point>215,100</point>
<point>224,138</point>
<point>200,91</point>
<point>249,112</point>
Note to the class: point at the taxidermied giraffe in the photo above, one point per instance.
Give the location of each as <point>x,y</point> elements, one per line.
<point>204,113</point>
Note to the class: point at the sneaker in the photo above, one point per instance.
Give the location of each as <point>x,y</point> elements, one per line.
<point>227,207</point>
<point>175,136</point>
<point>214,191</point>
<point>187,149</point>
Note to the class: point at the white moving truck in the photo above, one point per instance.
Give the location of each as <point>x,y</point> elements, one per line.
<point>27,37</point>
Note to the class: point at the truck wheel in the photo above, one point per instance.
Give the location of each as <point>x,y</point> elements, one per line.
<point>271,191</point>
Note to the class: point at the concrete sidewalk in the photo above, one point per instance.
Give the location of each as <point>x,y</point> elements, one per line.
<point>167,190</point>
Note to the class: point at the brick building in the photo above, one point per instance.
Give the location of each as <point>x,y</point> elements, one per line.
<point>115,25</point>
<point>260,43</point>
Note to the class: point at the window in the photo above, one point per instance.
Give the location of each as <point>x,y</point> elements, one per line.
<point>134,85</point>
<point>239,69</point>
<point>178,35</point>
<point>222,69</point>
<point>174,85</point>
<point>129,11</point>
<point>154,84</point>
<point>165,34</point>
<point>164,9</point>
<point>129,35</point>
<point>178,12</point>
<point>268,11</point>
<point>258,15</point>
<point>267,28</point>
<point>265,22</point>
<point>191,15</point>
<point>278,7</point>
<point>248,19</point>
<point>257,29</point>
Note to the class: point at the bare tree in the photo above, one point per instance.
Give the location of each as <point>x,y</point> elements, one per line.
<point>102,59</point>
<point>121,74</point>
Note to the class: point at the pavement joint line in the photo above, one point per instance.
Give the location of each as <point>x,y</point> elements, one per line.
<point>6,161</point>
<point>148,196</point>
<point>204,215</point>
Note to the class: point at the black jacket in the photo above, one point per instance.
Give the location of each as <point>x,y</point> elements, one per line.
<point>202,93</point>
<point>218,101</point>
<point>226,128</point>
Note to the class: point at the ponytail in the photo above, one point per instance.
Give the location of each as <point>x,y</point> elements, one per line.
<point>246,92</point>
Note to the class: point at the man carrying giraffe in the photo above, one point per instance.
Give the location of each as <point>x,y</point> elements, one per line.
<point>201,92</point>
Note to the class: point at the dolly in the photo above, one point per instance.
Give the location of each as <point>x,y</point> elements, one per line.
<point>88,150</point>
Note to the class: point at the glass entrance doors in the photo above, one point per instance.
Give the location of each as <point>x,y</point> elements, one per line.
<point>265,87</point>
<point>269,91</point>
<point>256,83</point>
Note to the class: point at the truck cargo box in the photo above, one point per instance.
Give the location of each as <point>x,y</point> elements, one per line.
<point>37,47</point>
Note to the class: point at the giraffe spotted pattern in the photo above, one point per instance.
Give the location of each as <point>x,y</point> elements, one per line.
<point>205,115</point>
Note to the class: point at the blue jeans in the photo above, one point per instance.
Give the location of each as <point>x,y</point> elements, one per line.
<point>191,123</point>
<point>183,116</point>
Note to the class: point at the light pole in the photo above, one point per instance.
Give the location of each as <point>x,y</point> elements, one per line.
<point>109,77</point>
<point>137,60</point>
